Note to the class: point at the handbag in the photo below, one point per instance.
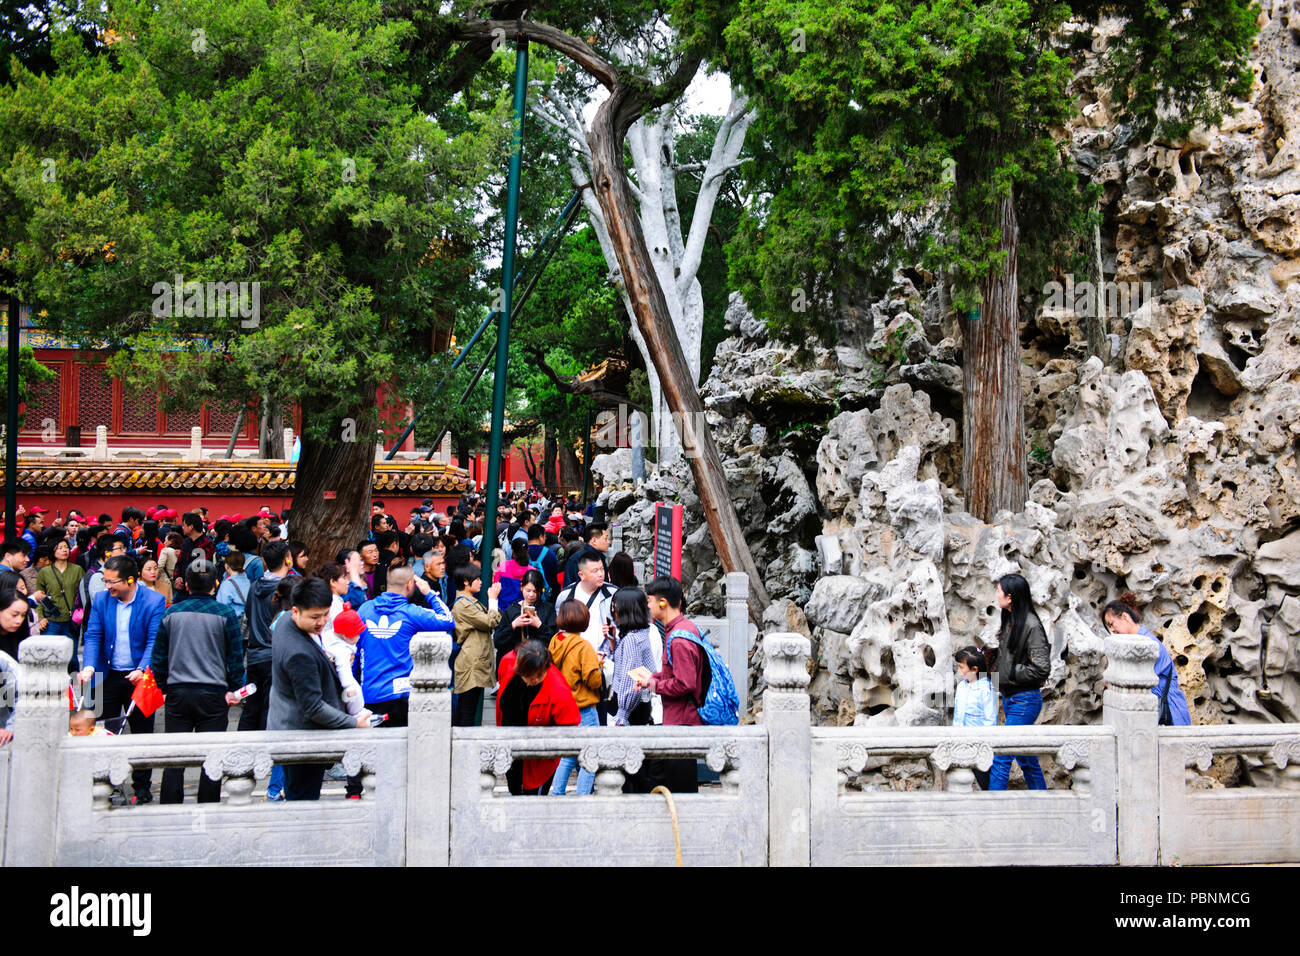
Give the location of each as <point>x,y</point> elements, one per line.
<point>1166,718</point>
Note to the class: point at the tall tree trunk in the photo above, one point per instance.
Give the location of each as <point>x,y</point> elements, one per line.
<point>270,443</point>
<point>993,414</point>
<point>570,468</point>
<point>655,323</point>
<point>631,98</point>
<point>530,465</point>
<point>343,471</point>
<point>462,451</point>
<point>549,483</point>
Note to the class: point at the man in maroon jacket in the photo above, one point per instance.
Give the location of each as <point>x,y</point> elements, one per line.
<point>684,678</point>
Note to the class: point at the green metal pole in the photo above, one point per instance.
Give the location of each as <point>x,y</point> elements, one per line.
<point>503,323</point>
<point>11,427</point>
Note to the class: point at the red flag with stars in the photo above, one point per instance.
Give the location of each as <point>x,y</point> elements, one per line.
<point>147,696</point>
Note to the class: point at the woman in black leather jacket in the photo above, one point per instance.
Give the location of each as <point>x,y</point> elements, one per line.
<point>1023,665</point>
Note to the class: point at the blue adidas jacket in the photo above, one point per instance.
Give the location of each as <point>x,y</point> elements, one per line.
<point>385,646</point>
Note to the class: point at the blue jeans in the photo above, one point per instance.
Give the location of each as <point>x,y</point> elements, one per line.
<point>587,717</point>
<point>1021,709</point>
<point>276,785</point>
<point>61,628</point>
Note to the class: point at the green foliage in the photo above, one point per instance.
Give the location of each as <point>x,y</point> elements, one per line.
<point>1040,451</point>
<point>281,145</point>
<point>30,374</point>
<point>892,132</point>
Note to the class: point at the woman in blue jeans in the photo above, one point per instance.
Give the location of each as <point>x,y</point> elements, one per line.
<point>1023,665</point>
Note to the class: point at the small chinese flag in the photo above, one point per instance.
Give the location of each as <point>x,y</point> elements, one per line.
<point>72,700</point>
<point>147,696</point>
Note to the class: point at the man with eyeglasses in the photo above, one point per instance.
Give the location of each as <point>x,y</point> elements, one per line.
<point>120,632</point>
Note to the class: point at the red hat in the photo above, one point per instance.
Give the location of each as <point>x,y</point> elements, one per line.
<point>236,518</point>
<point>349,622</point>
<point>37,510</point>
<point>151,513</point>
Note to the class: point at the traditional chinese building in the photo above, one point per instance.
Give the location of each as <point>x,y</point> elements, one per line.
<point>90,442</point>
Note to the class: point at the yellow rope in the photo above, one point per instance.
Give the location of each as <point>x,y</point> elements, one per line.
<point>672,809</point>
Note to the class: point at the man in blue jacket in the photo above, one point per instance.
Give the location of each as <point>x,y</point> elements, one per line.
<point>120,632</point>
<point>391,621</point>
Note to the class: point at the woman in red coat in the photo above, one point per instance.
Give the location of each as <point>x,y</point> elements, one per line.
<point>533,694</point>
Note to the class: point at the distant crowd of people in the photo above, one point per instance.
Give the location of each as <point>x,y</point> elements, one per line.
<point>236,611</point>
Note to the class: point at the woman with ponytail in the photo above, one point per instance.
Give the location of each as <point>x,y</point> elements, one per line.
<point>1023,666</point>
<point>1121,617</point>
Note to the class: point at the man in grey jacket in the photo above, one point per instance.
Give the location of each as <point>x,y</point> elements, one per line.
<point>305,691</point>
<point>261,611</point>
<point>198,661</point>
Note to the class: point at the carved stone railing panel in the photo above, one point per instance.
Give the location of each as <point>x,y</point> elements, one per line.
<point>238,831</point>
<point>1242,825</point>
<point>928,827</point>
<point>720,824</point>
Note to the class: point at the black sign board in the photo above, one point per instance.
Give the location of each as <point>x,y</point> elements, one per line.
<point>668,541</point>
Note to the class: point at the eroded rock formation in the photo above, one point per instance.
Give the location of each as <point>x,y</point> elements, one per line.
<point>1166,466</point>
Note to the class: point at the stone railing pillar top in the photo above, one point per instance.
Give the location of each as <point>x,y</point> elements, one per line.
<point>430,673</point>
<point>1130,672</point>
<point>43,676</point>
<point>785,667</point>
<point>737,587</point>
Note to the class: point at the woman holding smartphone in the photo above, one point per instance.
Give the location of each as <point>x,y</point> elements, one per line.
<point>528,619</point>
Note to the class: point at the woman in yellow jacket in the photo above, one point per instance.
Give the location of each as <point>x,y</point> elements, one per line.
<point>474,627</point>
<point>579,664</point>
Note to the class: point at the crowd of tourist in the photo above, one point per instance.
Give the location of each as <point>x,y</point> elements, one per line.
<point>237,612</point>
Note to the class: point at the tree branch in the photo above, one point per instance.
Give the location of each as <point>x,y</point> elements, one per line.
<point>724,156</point>
<point>548,36</point>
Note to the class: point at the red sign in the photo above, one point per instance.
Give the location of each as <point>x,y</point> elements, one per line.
<point>331,495</point>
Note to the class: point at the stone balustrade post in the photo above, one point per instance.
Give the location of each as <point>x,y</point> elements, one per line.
<point>40,725</point>
<point>428,754</point>
<point>288,444</point>
<point>101,443</point>
<point>238,769</point>
<point>787,717</point>
<point>958,759</point>
<point>610,762</point>
<point>737,650</point>
<point>196,444</point>
<point>1130,708</point>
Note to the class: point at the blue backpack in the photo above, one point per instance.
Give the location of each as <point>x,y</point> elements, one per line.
<point>721,705</point>
<point>537,563</point>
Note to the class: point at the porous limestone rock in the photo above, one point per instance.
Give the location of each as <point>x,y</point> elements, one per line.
<point>1166,466</point>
